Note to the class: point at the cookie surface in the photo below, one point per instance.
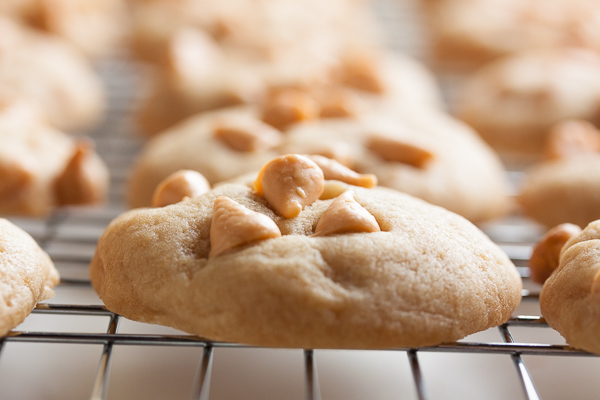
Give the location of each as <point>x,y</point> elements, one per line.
<point>514,101</point>
<point>428,276</point>
<point>27,275</point>
<point>42,168</point>
<point>569,300</point>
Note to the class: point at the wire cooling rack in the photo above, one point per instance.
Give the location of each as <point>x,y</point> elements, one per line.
<point>71,347</point>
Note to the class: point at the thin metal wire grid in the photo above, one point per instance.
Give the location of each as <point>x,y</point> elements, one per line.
<point>71,234</point>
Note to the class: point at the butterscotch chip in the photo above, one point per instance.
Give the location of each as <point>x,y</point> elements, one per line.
<point>546,253</point>
<point>27,275</point>
<point>287,106</point>
<point>289,183</point>
<point>429,276</point>
<point>572,138</point>
<point>334,170</point>
<point>178,186</point>
<point>338,104</point>
<point>233,225</point>
<point>247,135</point>
<point>391,149</point>
<point>85,178</point>
<point>569,299</point>
<point>345,215</point>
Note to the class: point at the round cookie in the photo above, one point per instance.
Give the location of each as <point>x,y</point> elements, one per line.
<point>220,77</point>
<point>471,33</point>
<point>49,74</point>
<point>513,102</point>
<point>422,152</point>
<point>565,187</point>
<point>93,26</point>
<point>194,144</point>
<point>569,298</point>
<point>27,275</point>
<point>42,168</point>
<point>227,266</point>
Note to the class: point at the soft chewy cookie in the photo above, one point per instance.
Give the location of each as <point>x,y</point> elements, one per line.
<point>303,261</point>
<point>27,275</point>
<point>49,74</point>
<point>565,187</point>
<point>513,102</point>
<point>219,144</point>
<point>569,300</point>
<point>423,152</point>
<point>42,168</point>
<point>93,26</point>
<point>468,33</point>
<point>201,76</point>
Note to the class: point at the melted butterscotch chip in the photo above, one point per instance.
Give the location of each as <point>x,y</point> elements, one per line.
<point>84,179</point>
<point>179,186</point>
<point>287,106</point>
<point>596,284</point>
<point>247,134</point>
<point>396,150</point>
<point>361,71</point>
<point>346,215</point>
<point>234,225</point>
<point>545,256</point>
<point>334,170</point>
<point>289,183</point>
<point>572,138</point>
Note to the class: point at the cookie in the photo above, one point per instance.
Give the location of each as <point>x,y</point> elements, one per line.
<point>364,268</point>
<point>569,298</point>
<point>218,77</point>
<point>27,275</point>
<point>470,33</point>
<point>423,152</point>
<point>513,102</point>
<point>566,186</point>
<point>220,145</point>
<point>42,168</point>
<point>50,75</point>
<point>95,27</point>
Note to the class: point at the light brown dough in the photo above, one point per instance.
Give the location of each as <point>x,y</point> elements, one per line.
<point>429,276</point>
<point>570,297</point>
<point>50,75</point>
<point>27,275</point>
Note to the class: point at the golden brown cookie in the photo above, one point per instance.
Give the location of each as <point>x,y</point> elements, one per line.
<point>96,27</point>
<point>569,300</point>
<point>423,152</point>
<point>566,186</point>
<point>220,145</point>
<point>470,33</point>
<point>513,102</point>
<point>42,168</point>
<point>27,275</point>
<point>49,74</point>
<point>364,268</point>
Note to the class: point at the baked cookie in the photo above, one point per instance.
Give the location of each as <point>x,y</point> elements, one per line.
<point>96,27</point>
<point>566,186</point>
<point>513,102</point>
<point>255,29</point>
<point>27,275</point>
<point>471,33</point>
<point>220,144</point>
<point>305,262</point>
<point>200,75</point>
<point>50,75</point>
<point>422,152</point>
<point>42,168</point>
<point>569,298</point>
